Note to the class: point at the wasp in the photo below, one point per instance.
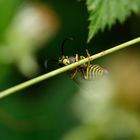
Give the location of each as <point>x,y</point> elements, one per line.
<point>88,71</point>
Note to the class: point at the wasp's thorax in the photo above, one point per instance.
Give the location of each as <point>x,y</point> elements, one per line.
<point>67,60</point>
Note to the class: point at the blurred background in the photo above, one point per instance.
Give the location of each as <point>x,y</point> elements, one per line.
<point>31,32</point>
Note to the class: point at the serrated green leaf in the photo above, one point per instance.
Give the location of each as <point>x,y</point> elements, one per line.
<point>103,13</point>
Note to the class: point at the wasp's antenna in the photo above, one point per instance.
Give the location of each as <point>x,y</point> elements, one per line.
<point>63,43</point>
<point>48,60</point>
<point>46,63</point>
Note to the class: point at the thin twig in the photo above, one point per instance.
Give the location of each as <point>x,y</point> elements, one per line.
<point>65,68</point>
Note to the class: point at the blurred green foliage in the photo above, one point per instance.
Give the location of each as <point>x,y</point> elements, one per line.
<point>7,9</point>
<point>44,110</point>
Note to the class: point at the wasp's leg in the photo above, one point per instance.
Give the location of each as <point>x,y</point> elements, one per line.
<point>77,81</point>
<point>88,56</point>
<point>74,74</point>
<point>82,57</point>
<point>76,70</point>
<point>84,72</point>
<point>86,75</point>
<point>76,58</point>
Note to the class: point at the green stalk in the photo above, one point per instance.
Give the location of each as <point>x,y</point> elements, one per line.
<point>66,68</point>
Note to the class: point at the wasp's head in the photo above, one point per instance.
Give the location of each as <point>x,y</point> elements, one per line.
<point>66,60</point>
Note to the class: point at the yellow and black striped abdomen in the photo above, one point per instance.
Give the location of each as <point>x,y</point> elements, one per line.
<point>93,71</point>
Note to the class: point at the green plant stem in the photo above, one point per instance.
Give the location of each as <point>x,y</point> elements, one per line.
<point>66,68</point>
